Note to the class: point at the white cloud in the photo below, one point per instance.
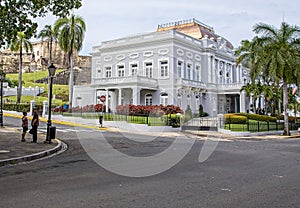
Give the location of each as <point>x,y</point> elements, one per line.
<point>232,19</point>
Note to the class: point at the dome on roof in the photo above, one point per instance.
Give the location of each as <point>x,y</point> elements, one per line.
<point>193,28</point>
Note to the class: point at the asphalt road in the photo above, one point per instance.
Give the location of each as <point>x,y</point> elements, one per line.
<point>238,174</point>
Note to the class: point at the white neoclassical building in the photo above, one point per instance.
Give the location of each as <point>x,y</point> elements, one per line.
<point>182,63</point>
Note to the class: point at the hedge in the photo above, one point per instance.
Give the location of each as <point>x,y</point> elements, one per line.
<point>235,119</point>
<point>16,107</point>
<point>291,118</point>
<point>258,117</point>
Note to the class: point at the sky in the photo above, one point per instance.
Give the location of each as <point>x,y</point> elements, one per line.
<point>232,19</point>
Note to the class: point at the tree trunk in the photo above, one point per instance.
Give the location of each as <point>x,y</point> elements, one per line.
<point>50,51</point>
<point>19,93</point>
<point>71,81</point>
<point>286,130</point>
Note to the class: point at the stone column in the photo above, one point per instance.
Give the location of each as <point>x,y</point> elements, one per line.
<point>243,101</point>
<point>106,101</point>
<point>32,105</point>
<point>45,108</point>
<point>136,96</point>
<point>120,96</point>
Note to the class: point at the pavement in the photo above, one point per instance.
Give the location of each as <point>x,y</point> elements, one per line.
<point>13,151</point>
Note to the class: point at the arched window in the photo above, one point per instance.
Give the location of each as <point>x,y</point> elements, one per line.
<point>179,100</point>
<point>148,99</point>
<point>164,99</point>
<point>189,100</point>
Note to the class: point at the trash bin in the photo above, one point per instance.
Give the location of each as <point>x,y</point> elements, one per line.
<point>52,132</point>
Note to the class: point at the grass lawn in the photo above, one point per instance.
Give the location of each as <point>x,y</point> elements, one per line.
<point>60,91</point>
<point>39,100</point>
<point>29,77</point>
<point>152,121</point>
<point>255,126</point>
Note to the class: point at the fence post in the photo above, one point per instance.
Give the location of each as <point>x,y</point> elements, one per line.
<point>268,126</point>
<point>276,126</point>
<point>229,123</point>
<point>248,125</point>
<point>147,118</point>
<point>257,126</point>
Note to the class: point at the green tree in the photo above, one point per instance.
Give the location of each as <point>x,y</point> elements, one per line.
<point>19,15</point>
<point>17,45</point>
<point>49,35</point>
<point>268,95</point>
<point>71,34</point>
<point>280,57</point>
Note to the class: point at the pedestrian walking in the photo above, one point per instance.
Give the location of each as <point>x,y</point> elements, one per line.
<point>24,126</point>
<point>34,124</point>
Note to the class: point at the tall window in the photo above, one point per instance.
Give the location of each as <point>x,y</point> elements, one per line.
<point>164,71</point>
<point>189,100</point>
<point>121,70</point>
<point>179,100</point>
<point>189,71</point>
<point>164,99</point>
<point>108,72</point>
<point>148,100</point>
<point>198,73</point>
<point>179,68</point>
<point>148,69</point>
<point>133,69</point>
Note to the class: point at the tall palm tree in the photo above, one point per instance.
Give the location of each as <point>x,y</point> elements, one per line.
<point>281,57</point>
<point>17,45</point>
<point>268,95</point>
<point>71,34</point>
<point>248,90</point>
<point>49,35</point>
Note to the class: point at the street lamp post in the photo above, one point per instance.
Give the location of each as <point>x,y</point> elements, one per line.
<point>2,77</point>
<point>51,70</point>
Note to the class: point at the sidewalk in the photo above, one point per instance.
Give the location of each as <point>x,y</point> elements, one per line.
<point>13,151</point>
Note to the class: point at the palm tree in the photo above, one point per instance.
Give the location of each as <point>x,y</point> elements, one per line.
<point>17,45</point>
<point>248,90</point>
<point>71,34</point>
<point>49,35</point>
<point>268,95</point>
<point>280,57</point>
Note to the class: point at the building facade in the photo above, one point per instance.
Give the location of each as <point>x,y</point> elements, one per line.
<point>182,63</point>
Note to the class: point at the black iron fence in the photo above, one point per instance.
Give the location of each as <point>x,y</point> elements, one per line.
<point>164,120</point>
<point>257,126</point>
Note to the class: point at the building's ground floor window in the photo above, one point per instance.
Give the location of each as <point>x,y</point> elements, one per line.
<point>148,99</point>
<point>164,99</point>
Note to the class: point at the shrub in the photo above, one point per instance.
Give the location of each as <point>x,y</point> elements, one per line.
<point>201,112</point>
<point>188,113</point>
<point>18,107</point>
<point>291,118</point>
<point>152,110</point>
<point>235,119</point>
<point>258,117</point>
<point>171,120</point>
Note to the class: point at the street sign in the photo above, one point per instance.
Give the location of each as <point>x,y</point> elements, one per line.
<point>102,98</point>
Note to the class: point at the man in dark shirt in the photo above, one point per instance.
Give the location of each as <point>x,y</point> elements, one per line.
<point>34,124</point>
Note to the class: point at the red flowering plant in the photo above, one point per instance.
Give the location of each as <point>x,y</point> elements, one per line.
<point>154,110</point>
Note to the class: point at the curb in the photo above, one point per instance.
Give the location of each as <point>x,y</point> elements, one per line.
<point>54,121</point>
<point>35,156</point>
